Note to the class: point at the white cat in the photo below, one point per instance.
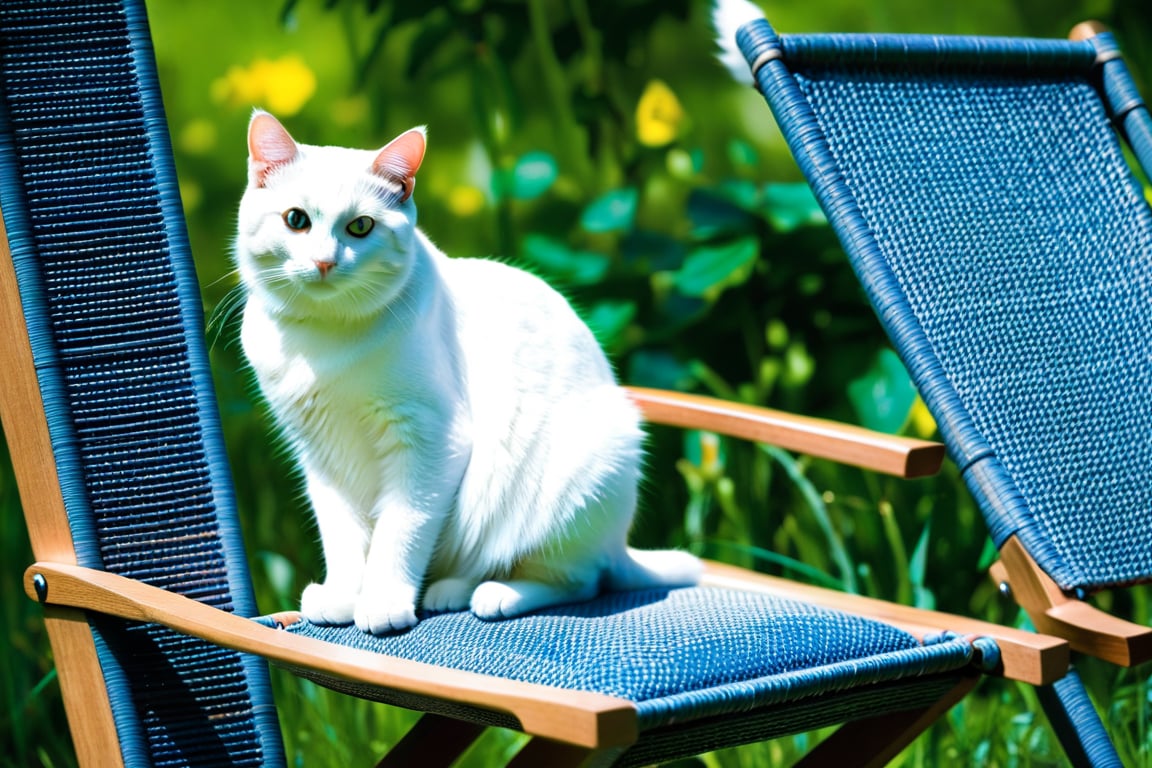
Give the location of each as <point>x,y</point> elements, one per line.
<point>461,435</point>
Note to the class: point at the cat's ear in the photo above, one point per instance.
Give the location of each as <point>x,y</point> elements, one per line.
<point>400,160</point>
<point>269,147</point>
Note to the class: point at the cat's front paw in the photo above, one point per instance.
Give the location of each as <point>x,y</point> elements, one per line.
<point>497,600</point>
<point>448,595</point>
<point>325,604</point>
<point>382,616</point>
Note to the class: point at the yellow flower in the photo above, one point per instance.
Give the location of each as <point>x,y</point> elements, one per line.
<point>465,200</point>
<point>710,454</point>
<point>282,86</point>
<point>921,418</point>
<point>658,115</point>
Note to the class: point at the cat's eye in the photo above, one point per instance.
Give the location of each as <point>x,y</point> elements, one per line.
<point>360,226</point>
<point>297,220</point>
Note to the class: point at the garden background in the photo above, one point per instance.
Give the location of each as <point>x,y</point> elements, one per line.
<point>600,145</point>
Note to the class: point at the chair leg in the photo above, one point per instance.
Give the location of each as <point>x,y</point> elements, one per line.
<point>555,754</point>
<point>433,741</point>
<point>1077,723</point>
<point>876,740</point>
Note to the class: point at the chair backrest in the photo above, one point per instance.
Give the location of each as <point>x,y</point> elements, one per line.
<point>114,320</point>
<point>985,201</point>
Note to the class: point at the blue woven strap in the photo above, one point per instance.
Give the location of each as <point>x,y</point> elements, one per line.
<point>1077,724</point>
<point>680,655</point>
<point>985,203</point>
<point>89,197</point>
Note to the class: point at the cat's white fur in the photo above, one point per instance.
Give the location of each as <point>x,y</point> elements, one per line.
<point>461,435</point>
<point>727,17</point>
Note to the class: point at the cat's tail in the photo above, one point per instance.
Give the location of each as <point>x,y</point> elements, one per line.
<point>727,17</point>
<point>649,568</point>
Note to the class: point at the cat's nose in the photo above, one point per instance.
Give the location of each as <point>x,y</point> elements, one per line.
<point>324,267</point>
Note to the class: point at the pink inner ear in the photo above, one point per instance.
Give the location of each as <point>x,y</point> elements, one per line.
<point>269,146</point>
<point>400,160</point>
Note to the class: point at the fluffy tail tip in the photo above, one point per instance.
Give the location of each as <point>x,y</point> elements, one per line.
<point>644,569</point>
<point>727,17</point>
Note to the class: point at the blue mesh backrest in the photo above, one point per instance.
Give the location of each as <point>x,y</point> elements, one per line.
<point>1009,251</point>
<point>89,197</point>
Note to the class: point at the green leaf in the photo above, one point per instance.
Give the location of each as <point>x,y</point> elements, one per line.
<point>533,175</point>
<point>651,251</point>
<point>660,369</point>
<point>742,154</point>
<point>280,572</point>
<point>557,260</point>
<point>713,213</point>
<point>791,206</point>
<point>611,212</point>
<point>608,319</point>
<point>918,570</point>
<point>710,269</point>
<point>836,549</point>
<point>884,395</point>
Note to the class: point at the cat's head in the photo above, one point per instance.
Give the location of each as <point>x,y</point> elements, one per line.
<point>326,232</point>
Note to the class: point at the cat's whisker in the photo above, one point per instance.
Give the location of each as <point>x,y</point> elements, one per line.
<point>228,308</point>
<point>229,275</point>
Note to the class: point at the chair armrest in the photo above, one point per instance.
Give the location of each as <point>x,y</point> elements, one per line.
<point>580,718</point>
<point>585,719</point>
<point>1025,656</point>
<point>1088,629</point>
<point>877,451</point>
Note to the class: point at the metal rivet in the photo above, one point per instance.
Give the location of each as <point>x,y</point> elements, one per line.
<point>40,584</point>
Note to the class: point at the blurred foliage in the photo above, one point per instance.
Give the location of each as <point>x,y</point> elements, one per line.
<point>599,145</point>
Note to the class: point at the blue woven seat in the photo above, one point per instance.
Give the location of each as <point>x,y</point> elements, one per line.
<point>678,655</point>
<point>109,411</point>
<point>984,198</point>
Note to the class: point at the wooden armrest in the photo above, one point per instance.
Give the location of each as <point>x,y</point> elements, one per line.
<point>877,451</point>
<point>1088,629</point>
<point>576,717</point>
<point>1025,656</point>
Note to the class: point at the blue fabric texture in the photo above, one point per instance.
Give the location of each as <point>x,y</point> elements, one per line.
<point>982,195</point>
<point>678,655</point>
<point>94,221</point>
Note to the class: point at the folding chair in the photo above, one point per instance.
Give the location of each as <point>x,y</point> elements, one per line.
<point>982,193</point>
<point>109,412</point>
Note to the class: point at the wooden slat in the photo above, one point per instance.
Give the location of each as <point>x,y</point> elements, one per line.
<point>432,742</point>
<point>1087,628</point>
<point>26,427</point>
<point>1086,30</point>
<point>1026,656</point>
<point>875,741</point>
<point>553,754</point>
<point>877,451</point>
<point>575,717</point>
<point>26,433</point>
<point>82,687</point>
